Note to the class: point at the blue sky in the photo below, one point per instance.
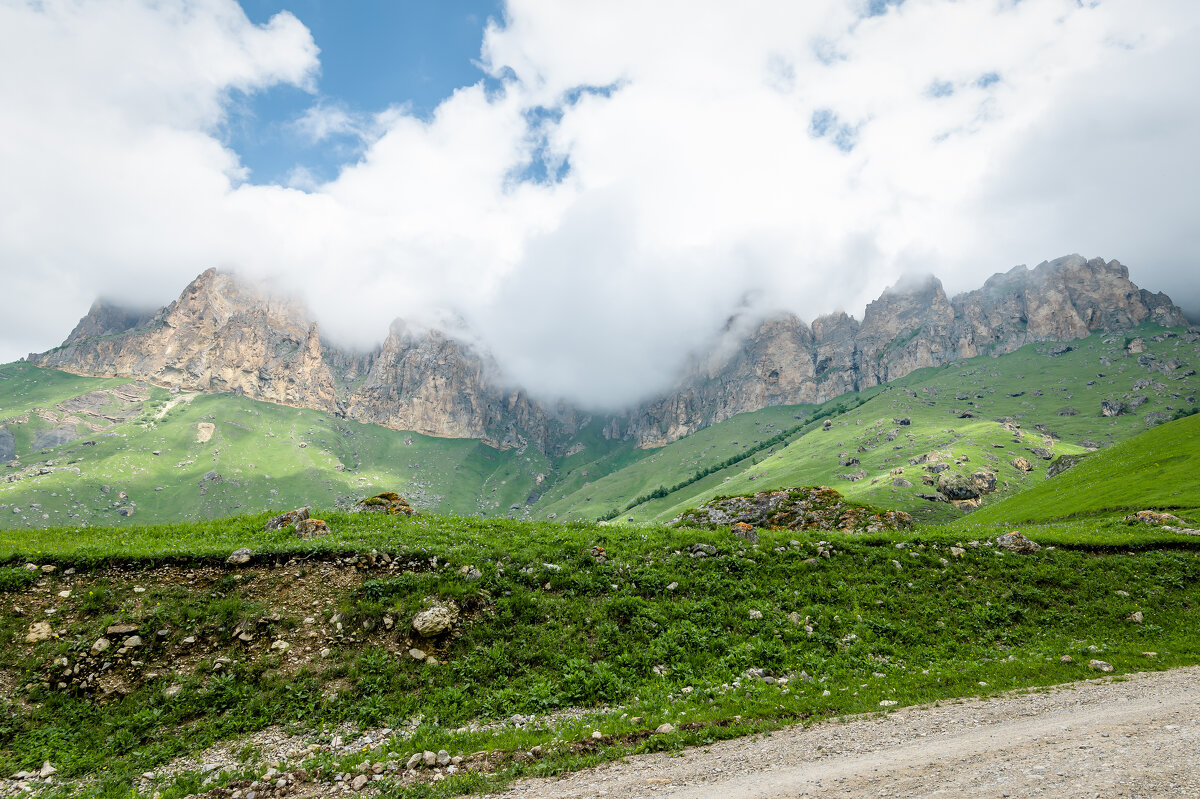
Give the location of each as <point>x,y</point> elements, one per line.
<point>374,54</point>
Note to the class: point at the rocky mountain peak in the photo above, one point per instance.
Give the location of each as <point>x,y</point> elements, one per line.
<point>225,334</point>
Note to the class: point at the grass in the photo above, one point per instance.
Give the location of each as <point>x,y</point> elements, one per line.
<point>650,632</point>
<point>1155,470</point>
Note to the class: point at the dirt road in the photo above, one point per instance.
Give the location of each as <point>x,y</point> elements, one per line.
<point>1133,738</point>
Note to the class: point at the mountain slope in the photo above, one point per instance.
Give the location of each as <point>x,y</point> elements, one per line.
<point>1039,402</point>
<point>1159,469</point>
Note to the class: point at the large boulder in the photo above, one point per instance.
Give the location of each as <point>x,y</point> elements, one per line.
<point>1151,517</point>
<point>958,487</point>
<point>435,620</point>
<point>811,508</point>
<point>388,502</point>
<point>1015,542</point>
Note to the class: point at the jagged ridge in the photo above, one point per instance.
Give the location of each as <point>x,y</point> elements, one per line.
<point>222,334</point>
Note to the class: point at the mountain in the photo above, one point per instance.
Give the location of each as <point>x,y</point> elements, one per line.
<point>225,335</point>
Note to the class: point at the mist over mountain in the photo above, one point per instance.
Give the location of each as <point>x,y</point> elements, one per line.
<point>228,334</point>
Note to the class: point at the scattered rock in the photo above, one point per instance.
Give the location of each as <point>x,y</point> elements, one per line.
<point>1022,464</point>
<point>1151,517</point>
<point>961,487</point>
<point>1136,617</point>
<point>101,645</point>
<point>1015,542</point>
<point>436,620</point>
<point>121,629</point>
<point>240,557</point>
<point>387,502</point>
<point>664,729</point>
<point>311,528</point>
<point>1066,659</point>
<point>1100,665</point>
<point>38,631</point>
<point>745,532</point>
<point>287,519</point>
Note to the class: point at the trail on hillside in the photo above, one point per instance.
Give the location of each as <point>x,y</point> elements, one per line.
<point>1138,737</point>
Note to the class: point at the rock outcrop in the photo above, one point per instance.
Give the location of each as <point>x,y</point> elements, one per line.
<point>223,334</point>
<point>913,325</point>
<point>817,508</point>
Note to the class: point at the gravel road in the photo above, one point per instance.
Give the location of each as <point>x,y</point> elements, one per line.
<point>1137,737</point>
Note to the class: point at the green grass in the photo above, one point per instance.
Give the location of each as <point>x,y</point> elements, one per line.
<point>893,617</point>
<point>1159,469</point>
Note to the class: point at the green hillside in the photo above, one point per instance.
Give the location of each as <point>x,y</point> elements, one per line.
<point>1157,470</point>
<point>974,414</point>
<point>83,449</point>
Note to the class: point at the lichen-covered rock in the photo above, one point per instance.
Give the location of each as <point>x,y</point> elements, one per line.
<point>435,620</point>
<point>311,528</point>
<point>287,519</point>
<point>1022,464</point>
<point>1015,542</point>
<point>1151,517</point>
<point>959,487</point>
<point>745,532</point>
<point>240,557</point>
<point>387,502</point>
<point>816,508</point>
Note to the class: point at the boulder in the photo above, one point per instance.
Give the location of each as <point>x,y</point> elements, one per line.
<point>1151,517</point>
<point>388,502</point>
<point>1111,407</point>
<point>810,508</point>
<point>1043,453</point>
<point>287,519</point>
<point>955,486</point>
<point>1015,542</point>
<point>745,532</point>
<point>240,557</point>
<point>38,631</point>
<point>311,528</point>
<point>1022,464</point>
<point>1062,463</point>
<point>435,620</point>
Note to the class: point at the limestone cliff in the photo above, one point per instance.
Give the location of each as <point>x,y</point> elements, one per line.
<point>224,334</point>
<point>220,335</point>
<point>913,325</point>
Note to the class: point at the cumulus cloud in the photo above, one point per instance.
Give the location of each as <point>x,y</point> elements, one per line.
<point>622,178</point>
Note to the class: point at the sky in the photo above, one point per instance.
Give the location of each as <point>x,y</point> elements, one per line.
<point>591,188</point>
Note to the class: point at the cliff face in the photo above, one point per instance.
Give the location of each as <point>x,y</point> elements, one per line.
<point>911,326</point>
<point>224,335</point>
<point>220,335</point>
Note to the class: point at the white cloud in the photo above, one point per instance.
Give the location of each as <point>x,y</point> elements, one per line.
<point>958,138</point>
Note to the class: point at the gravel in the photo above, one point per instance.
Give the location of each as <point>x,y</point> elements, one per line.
<point>1135,737</point>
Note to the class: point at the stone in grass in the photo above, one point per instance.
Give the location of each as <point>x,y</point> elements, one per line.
<point>287,519</point>
<point>744,531</point>
<point>1136,617</point>
<point>664,729</point>
<point>311,528</point>
<point>240,557</point>
<point>413,762</point>
<point>435,620</point>
<point>1015,542</point>
<point>1100,665</point>
<point>38,631</point>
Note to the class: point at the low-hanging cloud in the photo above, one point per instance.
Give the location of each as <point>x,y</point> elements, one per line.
<point>622,178</point>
